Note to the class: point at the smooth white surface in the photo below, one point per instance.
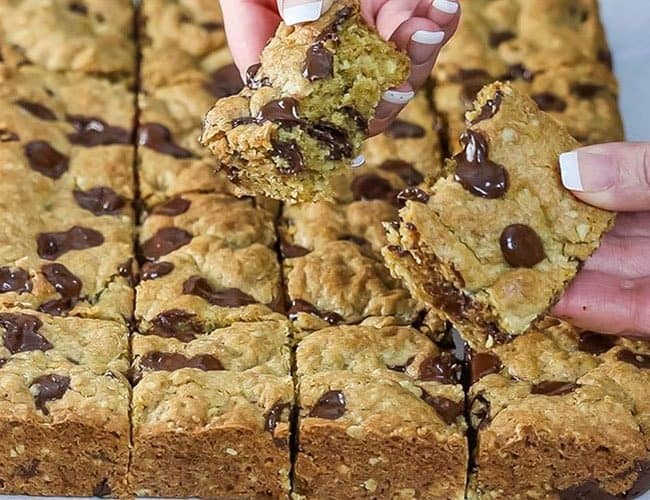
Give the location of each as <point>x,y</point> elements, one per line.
<point>570,171</point>
<point>628,29</point>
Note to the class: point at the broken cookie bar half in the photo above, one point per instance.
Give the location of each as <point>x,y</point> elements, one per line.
<point>303,115</point>
<point>496,242</point>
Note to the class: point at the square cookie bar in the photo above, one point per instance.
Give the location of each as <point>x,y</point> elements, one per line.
<point>496,242</point>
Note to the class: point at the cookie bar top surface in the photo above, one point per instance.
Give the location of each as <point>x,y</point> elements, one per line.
<point>497,242</point>
<point>302,117</point>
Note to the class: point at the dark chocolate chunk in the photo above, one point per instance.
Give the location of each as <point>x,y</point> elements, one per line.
<point>331,31</point>
<point>444,368</point>
<point>498,37</point>
<point>605,57</point>
<point>335,138</point>
<point>547,101</point>
<point>244,120</point>
<point>448,410</point>
<point>521,246</point>
<point>36,109</point>
<point>100,200</point>
<point>172,361</point>
<point>302,306</point>
<point>554,388</point>
<point>14,280</point>
<point>642,483</point>
<point>274,415</point>
<point>102,489</point>
<point>639,360</point>
<point>372,187</point>
<point>447,297</point>
<point>290,251</point>
<point>49,388</point>
<point>155,270</point>
<point>292,156</point>
<point>166,240</point>
<point>8,136</point>
<point>225,81</point>
<point>51,246</point>
<point>356,117</point>
<point>589,490</point>
<point>177,324</point>
<point>402,368</point>
<point>252,81</point>
<point>402,129</point>
<point>404,170</point>
<point>482,364</point>
<point>78,8</point>
<point>211,26</point>
<point>319,63</point>
<point>28,469</point>
<point>519,72</point>
<point>228,297</point>
<point>476,172</point>
<point>281,110</point>
<point>21,333</point>
<point>330,406</point>
<point>125,269</point>
<point>159,138</point>
<point>586,90</point>
<point>66,284</point>
<point>90,132</point>
<point>490,108</point>
<point>175,206</point>
<point>45,159</point>
<point>412,194</point>
<point>596,343</point>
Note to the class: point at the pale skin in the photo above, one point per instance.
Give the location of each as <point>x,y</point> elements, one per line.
<point>611,294</point>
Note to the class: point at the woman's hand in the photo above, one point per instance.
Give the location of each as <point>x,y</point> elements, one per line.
<point>612,292</point>
<point>419,27</point>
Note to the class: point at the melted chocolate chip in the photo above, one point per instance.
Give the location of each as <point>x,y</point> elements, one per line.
<point>469,92</point>
<point>335,138</point>
<point>404,170</point>
<point>476,172</point>
<point>102,489</point>
<point>482,364</point>
<point>553,388</point>
<point>412,194</point>
<point>36,109</point>
<point>29,469</point>
<point>158,137</point>
<point>290,251</point>
<point>100,200</point>
<point>444,368</point>
<point>50,246</point>
<point>78,8</point>
<point>21,333</point>
<point>402,129</point>
<point>498,37</point>
<point>125,269</point>
<point>155,270</point>
<point>372,187</point>
<point>330,406</point>
<point>448,410</point>
<point>225,82</point>
<point>586,90</point>
<point>302,306</point>
<point>14,280</point>
<point>356,117</point>
<point>642,483</point>
<point>521,246</point>
<point>292,156</point>
<point>490,108</point>
<point>589,490</point>
<point>319,63</point>
<point>274,415</point>
<point>229,297</point>
<point>176,324</point>
<point>639,360</point>
<point>331,31</point>
<point>66,284</point>
<point>90,132</point>
<point>175,206</point>
<point>166,240</point>
<point>547,101</point>
<point>252,81</point>
<point>172,361</point>
<point>49,388</point>
<point>402,368</point>
<point>281,110</point>
<point>45,159</point>
<point>8,136</point>
<point>596,343</point>
<point>244,120</point>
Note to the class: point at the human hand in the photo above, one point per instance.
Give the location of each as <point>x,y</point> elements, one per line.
<point>612,292</point>
<point>418,27</point>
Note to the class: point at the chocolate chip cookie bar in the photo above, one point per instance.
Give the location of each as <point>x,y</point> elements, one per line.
<point>303,114</point>
<point>64,395</point>
<point>497,241</point>
<point>366,396</point>
<point>559,414</point>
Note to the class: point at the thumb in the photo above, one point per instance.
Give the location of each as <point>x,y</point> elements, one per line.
<point>613,176</point>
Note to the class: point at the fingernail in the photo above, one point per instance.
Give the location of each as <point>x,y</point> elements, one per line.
<point>398,97</point>
<point>358,161</point>
<point>446,6</point>
<point>428,37</point>
<point>587,172</point>
<point>302,13</point>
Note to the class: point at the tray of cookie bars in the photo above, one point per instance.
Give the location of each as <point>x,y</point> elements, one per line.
<point>169,333</point>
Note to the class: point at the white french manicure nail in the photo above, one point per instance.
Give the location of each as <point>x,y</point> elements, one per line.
<point>570,170</point>
<point>446,6</point>
<point>302,13</point>
<point>358,161</point>
<point>428,37</point>
<point>397,97</point>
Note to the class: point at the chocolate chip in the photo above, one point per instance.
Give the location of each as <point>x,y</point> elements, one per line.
<point>498,37</point>
<point>21,333</point>
<point>595,343</point>
<point>589,490</point>
<point>412,194</point>
<point>521,246</point>
<point>444,368</point>
<point>102,489</point>
<point>50,246</point>
<point>401,368</point>
<point>482,364</point>
<point>281,110</point>
<point>100,200</point>
<point>469,92</point>
<point>335,138</point>
<point>14,280</point>
<point>229,297</point>
<point>125,269</point>
<point>332,30</point>
<point>78,8</point>
<point>211,26</point>
<point>490,108</point>
<point>166,240</point>
<point>225,82</point>
<point>66,284</point>
<point>553,388</point>
<point>292,156</point>
<point>448,410</point>
<point>354,115</point>
<point>605,57</point>
<point>28,469</point>
<point>49,388</point>
<point>402,129</point>
<point>159,138</point>
<point>290,251</point>
<point>639,360</point>
<point>372,187</point>
<point>155,270</point>
<point>45,159</point>
<point>302,306</point>
<point>252,81</point>
<point>8,136</point>
<point>519,72</point>
<point>274,415</point>
<point>177,324</point>
<point>447,297</point>
<point>642,483</point>
<point>36,109</point>
<point>172,361</point>
<point>476,172</point>
<point>472,74</point>
<point>404,170</point>
<point>319,63</point>
<point>90,132</point>
<point>330,406</point>
<point>244,120</point>
<point>547,101</point>
<point>175,206</point>
<point>586,90</point>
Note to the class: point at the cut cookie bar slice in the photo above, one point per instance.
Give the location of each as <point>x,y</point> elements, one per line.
<point>495,243</point>
<point>303,115</point>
